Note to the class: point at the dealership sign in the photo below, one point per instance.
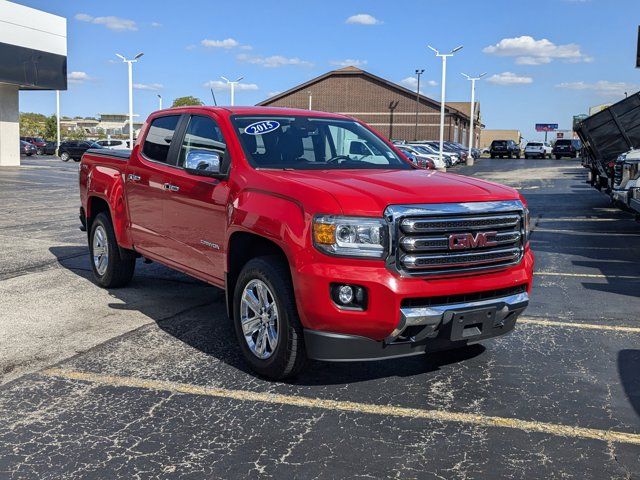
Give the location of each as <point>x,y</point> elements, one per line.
<point>546,127</point>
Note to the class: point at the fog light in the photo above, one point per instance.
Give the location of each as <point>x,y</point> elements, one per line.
<point>345,294</point>
<point>350,297</point>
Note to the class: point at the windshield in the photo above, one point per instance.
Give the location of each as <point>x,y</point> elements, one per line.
<point>303,143</point>
<point>534,144</point>
<point>563,142</point>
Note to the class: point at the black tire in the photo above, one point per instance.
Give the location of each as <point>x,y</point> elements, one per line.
<point>289,356</point>
<point>493,156</point>
<point>76,159</point>
<point>39,151</point>
<point>64,156</point>
<point>558,157</point>
<point>121,262</point>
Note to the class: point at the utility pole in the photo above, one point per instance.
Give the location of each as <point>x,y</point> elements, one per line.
<point>232,86</point>
<point>418,73</point>
<point>444,57</point>
<point>470,159</point>
<point>57,121</point>
<point>130,65</point>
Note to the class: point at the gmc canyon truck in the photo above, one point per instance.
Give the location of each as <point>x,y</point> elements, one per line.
<point>323,253</point>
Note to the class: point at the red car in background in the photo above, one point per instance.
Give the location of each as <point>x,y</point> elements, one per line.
<point>37,142</point>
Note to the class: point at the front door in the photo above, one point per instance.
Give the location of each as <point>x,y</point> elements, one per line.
<point>146,178</point>
<point>195,207</point>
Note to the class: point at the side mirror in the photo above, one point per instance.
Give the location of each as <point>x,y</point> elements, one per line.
<point>204,163</point>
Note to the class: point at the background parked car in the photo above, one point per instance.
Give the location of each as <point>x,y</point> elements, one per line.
<point>114,144</point>
<point>417,159</point>
<point>537,150</point>
<point>422,152</point>
<point>567,147</point>
<point>49,148</point>
<point>74,149</point>
<point>37,142</point>
<point>504,148</point>
<point>27,148</point>
<point>453,155</point>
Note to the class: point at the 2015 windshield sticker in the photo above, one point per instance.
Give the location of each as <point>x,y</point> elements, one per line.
<point>261,127</point>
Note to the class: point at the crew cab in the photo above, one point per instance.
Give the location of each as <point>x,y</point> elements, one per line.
<point>323,253</point>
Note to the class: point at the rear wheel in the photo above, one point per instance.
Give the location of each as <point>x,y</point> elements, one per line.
<point>266,319</point>
<point>558,157</point>
<point>64,156</point>
<point>112,266</point>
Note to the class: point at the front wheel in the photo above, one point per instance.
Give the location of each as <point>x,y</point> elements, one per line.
<point>112,266</point>
<point>64,156</point>
<point>39,151</point>
<point>266,319</point>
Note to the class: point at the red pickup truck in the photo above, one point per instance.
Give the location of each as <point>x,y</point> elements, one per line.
<point>329,243</point>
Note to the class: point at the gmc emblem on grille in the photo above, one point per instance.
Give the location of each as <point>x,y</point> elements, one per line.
<point>465,241</point>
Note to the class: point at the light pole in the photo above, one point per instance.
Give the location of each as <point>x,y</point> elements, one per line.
<point>159,102</point>
<point>418,73</point>
<point>233,85</point>
<point>57,121</point>
<point>130,65</point>
<point>444,57</point>
<point>473,80</point>
<point>310,99</point>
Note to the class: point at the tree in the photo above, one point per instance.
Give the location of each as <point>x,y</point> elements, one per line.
<point>50,128</point>
<point>187,101</point>
<point>29,127</point>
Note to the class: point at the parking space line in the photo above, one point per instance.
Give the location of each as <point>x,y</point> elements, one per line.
<point>587,275</point>
<point>585,326</point>
<point>347,406</point>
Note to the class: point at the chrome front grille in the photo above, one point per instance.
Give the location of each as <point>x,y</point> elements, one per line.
<point>452,238</point>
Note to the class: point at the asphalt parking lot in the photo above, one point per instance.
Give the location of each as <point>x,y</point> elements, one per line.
<point>147,381</point>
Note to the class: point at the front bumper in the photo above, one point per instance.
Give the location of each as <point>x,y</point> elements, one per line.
<point>422,329</point>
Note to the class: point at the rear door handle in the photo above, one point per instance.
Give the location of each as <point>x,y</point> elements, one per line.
<point>133,178</point>
<point>172,188</point>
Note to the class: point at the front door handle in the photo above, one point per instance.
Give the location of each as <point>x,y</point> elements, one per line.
<point>133,178</point>
<point>172,188</point>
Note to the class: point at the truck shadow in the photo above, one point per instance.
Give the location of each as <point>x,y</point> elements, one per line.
<point>629,371</point>
<point>194,313</point>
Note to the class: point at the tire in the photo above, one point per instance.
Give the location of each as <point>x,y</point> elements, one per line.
<point>288,357</point>
<point>117,270</point>
<point>76,159</point>
<point>64,156</point>
<point>39,151</point>
<point>558,157</point>
<point>526,157</point>
<point>493,156</point>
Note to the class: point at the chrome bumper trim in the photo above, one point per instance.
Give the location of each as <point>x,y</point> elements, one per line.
<point>433,316</point>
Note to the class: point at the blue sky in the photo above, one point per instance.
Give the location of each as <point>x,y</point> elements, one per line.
<point>546,60</point>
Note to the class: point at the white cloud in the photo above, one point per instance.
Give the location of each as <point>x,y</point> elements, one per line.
<point>116,24</point>
<point>603,87</point>
<point>227,43</point>
<point>274,61</point>
<point>154,87</point>
<point>78,77</point>
<point>156,24</point>
<point>219,85</point>
<point>412,83</point>
<point>529,51</point>
<point>191,47</point>
<point>348,62</point>
<point>509,78</point>
<point>363,19</point>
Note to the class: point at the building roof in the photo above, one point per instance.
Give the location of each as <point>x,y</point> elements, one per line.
<point>351,70</point>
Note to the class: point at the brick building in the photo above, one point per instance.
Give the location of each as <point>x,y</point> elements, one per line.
<point>386,106</point>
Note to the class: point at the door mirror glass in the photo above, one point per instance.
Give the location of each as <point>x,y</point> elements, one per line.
<point>203,162</point>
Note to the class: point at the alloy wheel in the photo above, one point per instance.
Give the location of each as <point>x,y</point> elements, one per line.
<point>259,319</point>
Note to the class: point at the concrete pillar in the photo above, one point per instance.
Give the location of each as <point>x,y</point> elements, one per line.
<point>9,126</point>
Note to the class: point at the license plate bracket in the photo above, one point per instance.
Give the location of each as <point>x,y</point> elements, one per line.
<point>472,324</point>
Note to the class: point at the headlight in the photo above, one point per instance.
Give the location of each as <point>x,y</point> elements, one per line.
<point>350,236</point>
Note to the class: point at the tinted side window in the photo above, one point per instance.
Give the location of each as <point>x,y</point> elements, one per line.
<point>156,144</point>
<point>203,133</point>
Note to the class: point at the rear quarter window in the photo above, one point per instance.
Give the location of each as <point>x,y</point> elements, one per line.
<point>158,140</point>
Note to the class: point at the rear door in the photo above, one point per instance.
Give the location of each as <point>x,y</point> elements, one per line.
<point>146,178</point>
<point>195,206</point>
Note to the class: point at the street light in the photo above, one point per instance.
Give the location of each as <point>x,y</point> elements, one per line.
<point>418,73</point>
<point>444,57</point>
<point>233,85</point>
<point>159,102</point>
<point>470,158</point>
<point>130,65</point>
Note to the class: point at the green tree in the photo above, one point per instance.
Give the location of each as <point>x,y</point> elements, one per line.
<point>29,127</point>
<point>187,101</point>
<point>50,128</point>
<point>78,134</point>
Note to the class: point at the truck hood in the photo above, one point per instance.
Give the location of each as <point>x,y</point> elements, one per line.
<point>369,192</point>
